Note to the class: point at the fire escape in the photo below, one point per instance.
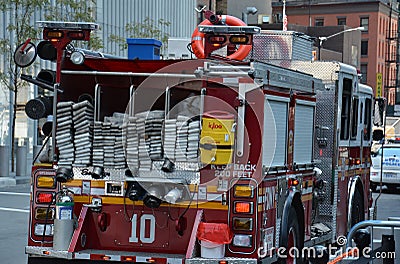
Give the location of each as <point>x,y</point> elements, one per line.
<point>391,58</point>
<point>392,63</point>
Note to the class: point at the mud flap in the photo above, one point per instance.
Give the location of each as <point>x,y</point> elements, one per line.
<point>78,240</point>
<point>285,218</point>
<point>190,252</point>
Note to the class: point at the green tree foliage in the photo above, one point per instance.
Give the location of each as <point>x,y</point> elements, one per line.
<point>19,29</point>
<point>146,29</point>
<point>21,26</point>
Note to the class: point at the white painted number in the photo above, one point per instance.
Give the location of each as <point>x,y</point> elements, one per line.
<point>142,229</point>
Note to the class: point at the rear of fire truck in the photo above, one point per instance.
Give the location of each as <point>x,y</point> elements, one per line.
<point>146,165</point>
<point>169,161</point>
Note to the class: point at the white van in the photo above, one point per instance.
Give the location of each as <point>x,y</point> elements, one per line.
<point>391,167</point>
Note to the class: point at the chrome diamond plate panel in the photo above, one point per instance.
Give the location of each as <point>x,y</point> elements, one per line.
<point>325,116</point>
<point>278,47</point>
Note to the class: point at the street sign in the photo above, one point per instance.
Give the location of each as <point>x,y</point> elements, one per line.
<point>378,91</point>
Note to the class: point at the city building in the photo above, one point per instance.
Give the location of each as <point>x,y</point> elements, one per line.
<point>379,38</point>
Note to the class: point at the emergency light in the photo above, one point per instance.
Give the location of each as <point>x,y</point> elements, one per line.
<point>54,35</point>
<point>239,39</point>
<point>217,39</point>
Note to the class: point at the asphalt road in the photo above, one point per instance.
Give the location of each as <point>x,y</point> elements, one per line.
<point>14,208</point>
<point>14,205</point>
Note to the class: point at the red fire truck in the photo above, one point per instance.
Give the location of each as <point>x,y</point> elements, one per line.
<point>219,159</point>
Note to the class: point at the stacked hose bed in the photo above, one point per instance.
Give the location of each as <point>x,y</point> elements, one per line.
<point>74,133</point>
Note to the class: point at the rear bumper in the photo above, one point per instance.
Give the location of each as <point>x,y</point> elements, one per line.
<point>217,261</point>
<point>49,252</point>
<point>108,255</point>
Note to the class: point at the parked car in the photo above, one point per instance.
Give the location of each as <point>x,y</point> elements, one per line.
<point>390,167</point>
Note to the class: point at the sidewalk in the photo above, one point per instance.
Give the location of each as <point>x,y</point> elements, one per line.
<point>13,180</point>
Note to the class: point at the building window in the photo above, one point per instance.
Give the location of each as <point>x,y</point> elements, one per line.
<point>364,70</point>
<point>364,47</point>
<point>341,21</point>
<point>364,21</point>
<point>319,22</point>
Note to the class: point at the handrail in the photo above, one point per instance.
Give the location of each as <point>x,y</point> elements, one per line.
<point>368,223</point>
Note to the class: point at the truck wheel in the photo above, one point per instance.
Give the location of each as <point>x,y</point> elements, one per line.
<point>392,188</point>
<point>291,240</point>
<point>357,208</point>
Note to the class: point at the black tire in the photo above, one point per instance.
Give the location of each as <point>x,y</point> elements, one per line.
<point>392,188</point>
<point>357,208</point>
<point>291,238</point>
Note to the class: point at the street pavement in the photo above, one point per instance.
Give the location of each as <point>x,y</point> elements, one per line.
<point>14,215</point>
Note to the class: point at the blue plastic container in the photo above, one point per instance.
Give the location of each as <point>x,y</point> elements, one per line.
<point>143,49</point>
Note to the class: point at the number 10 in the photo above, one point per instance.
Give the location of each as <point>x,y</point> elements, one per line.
<point>142,229</point>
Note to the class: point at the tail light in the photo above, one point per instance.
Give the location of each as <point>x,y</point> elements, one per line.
<point>41,229</point>
<point>242,240</point>
<point>42,213</point>
<point>243,191</point>
<point>242,224</point>
<point>354,162</point>
<point>44,197</point>
<point>45,182</point>
<point>243,207</point>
